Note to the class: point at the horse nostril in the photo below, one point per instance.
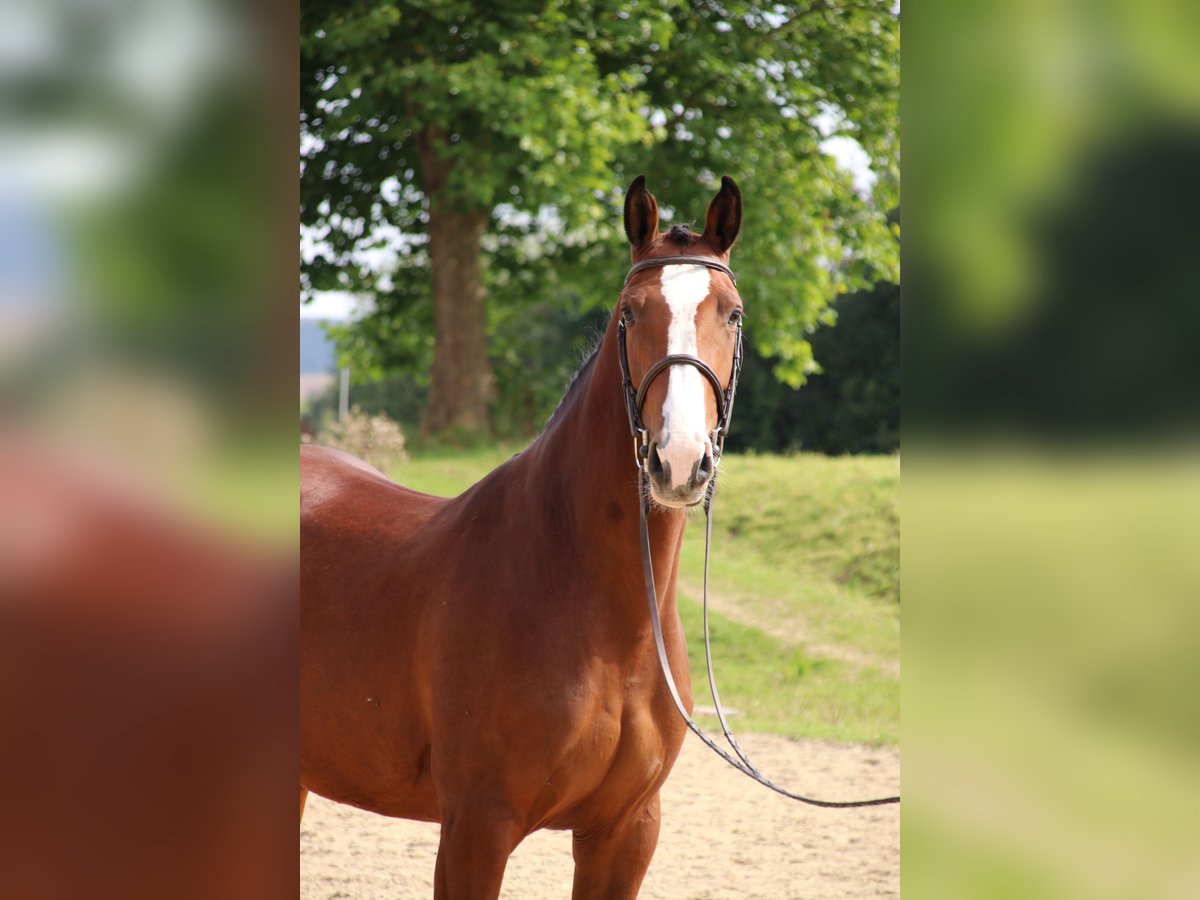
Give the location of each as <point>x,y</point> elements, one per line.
<point>660,469</point>
<point>704,468</point>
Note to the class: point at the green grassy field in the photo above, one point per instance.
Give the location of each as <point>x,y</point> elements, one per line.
<point>804,583</point>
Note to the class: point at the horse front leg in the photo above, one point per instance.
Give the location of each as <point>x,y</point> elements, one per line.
<point>473,853</point>
<point>611,862</point>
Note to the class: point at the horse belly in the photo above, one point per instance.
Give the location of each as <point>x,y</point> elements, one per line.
<point>398,786</point>
<point>364,703</point>
<point>365,741</point>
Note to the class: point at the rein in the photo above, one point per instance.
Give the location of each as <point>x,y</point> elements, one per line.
<point>724,396</point>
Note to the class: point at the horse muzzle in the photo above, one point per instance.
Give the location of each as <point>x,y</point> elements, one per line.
<point>679,475</point>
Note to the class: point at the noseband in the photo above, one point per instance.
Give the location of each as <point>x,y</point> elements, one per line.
<point>634,399</point>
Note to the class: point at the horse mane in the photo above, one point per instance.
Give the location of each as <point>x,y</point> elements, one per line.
<point>577,379</point>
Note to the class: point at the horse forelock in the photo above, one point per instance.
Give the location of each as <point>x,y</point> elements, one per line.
<point>681,234</point>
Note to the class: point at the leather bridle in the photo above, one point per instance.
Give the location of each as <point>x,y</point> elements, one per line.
<point>724,397</point>
<point>723,394</point>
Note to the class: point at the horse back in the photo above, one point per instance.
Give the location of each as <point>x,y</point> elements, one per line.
<point>336,485</point>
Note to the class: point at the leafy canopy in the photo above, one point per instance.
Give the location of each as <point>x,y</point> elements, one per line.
<point>546,111</point>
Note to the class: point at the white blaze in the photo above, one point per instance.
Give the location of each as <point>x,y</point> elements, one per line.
<point>684,438</point>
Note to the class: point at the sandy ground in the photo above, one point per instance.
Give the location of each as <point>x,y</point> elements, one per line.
<point>723,836</point>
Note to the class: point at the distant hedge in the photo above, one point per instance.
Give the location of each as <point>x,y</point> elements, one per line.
<point>853,406</point>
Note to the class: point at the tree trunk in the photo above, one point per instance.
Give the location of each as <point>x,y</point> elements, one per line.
<point>461,385</point>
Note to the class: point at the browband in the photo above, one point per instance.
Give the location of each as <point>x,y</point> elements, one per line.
<point>658,261</point>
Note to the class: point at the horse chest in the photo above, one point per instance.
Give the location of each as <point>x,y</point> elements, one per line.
<point>620,751</point>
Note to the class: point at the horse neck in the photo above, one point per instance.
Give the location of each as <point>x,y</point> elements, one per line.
<point>590,448</point>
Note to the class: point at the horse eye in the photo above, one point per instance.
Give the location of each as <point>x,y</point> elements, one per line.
<point>627,315</point>
<point>735,317</point>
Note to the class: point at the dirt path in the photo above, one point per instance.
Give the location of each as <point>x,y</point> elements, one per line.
<point>723,836</point>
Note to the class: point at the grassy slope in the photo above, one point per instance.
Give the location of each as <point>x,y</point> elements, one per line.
<point>807,547</point>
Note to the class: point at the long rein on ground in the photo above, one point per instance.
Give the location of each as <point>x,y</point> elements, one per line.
<point>724,396</point>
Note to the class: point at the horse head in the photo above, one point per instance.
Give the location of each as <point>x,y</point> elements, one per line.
<point>673,315</point>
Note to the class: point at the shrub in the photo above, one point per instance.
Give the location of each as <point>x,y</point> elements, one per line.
<point>373,438</point>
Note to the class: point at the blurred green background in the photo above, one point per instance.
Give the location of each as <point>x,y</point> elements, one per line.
<point>1051,400</point>
<point>148,465</point>
<point>144,227</point>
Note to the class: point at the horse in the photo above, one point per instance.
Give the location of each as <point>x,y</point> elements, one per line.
<point>487,662</point>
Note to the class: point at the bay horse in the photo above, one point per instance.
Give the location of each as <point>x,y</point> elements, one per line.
<point>487,662</point>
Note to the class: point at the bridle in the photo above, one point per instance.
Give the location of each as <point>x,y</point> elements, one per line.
<point>724,396</point>
<point>635,399</point>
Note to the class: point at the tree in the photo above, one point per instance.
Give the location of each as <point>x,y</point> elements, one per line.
<point>484,151</point>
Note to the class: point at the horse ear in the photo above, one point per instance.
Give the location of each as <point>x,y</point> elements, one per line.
<point>724,216</point>
<point>641,214</point>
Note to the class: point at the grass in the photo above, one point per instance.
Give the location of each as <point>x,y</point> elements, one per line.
<point>238,489</point>
<point>832,519</point>
<point>810,541</point>
<point>779,687</point>
<point>804,578</point>
<point>447,472</point>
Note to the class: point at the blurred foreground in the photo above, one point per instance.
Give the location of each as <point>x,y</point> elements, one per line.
<point>1051,721</point>
<point>1052,488</point>
<point>147,457</point>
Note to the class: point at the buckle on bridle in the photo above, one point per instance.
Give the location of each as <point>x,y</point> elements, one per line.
<point>641,448</point>
<point>717,439</point>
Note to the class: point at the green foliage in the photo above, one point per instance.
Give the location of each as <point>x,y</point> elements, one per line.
<point>174,260</point>
<point>399,398</point>
<point>851,406</point>
<point>544,112</point>
<point>536,350</point>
